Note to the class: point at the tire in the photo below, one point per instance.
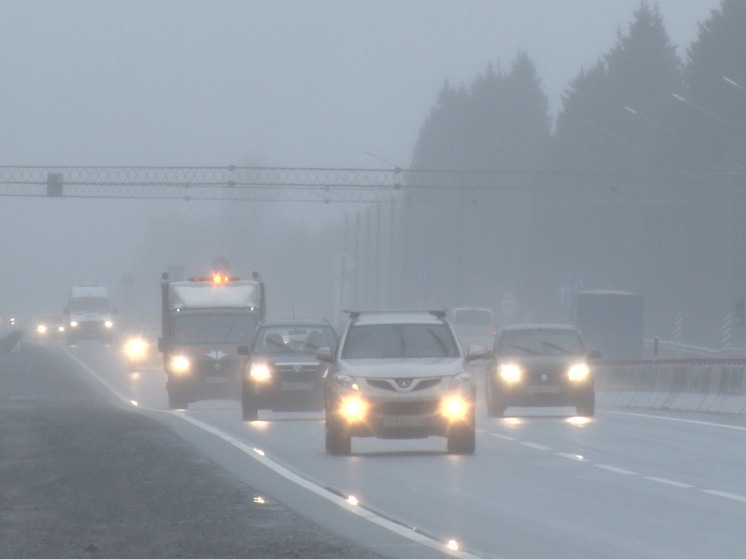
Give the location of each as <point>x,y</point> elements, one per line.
<point>249,409</point>
<point>586,406</point>
<point>177,398</point>
<point>462,440</point>
<point>337,438</point>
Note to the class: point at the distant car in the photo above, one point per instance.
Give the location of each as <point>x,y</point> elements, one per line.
<point>50,327</point>
<point>140,348</point>
<point>541,365</point>
<point>282,373</point>
<point>473,326</point>
<point>399,375</point>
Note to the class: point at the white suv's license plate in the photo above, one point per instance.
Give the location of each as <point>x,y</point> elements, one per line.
<point>296,386</point>
<point>543,389</point>
<point>404,421</point>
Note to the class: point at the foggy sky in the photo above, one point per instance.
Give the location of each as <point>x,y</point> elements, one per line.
<point>281,83</point>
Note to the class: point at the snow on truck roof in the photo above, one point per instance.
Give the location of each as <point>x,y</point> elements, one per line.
<point>88,291</point>
<point>236,294</point>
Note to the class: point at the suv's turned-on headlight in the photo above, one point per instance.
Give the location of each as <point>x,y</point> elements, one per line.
<point>346,381</point>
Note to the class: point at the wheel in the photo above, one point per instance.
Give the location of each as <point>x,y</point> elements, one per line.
<point>495,406</point>
<point>462,439</point>
<point>249,408</point>
<point>177,397</point>
<point>586,406</point>
<point>337,438</point>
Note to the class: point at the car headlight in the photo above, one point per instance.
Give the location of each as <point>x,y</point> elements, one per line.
<point>460,380</point>
<point>455,408</point>
<point>346,382</point>
<point>179,364</point>
<point>41,329</point>
<point>109,324</point>
<point>353,409</point>
<point>73,324</point>
<point>260,372</point>
<point>579,372</point>
<point>136,349</point>
<point>510,373</point>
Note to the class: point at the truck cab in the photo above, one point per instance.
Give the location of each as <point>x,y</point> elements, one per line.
<point>204,321</point>
<point>89,314</point>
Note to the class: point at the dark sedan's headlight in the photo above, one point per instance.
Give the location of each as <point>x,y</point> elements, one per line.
<point>260,372</point>
<point>579,372</point>
<point>510,373</point>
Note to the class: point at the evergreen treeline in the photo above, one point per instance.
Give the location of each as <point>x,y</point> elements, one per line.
<point>637,186</point>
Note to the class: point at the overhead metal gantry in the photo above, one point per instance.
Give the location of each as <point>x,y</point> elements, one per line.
<point>202,183</point>
<point>329,185</point>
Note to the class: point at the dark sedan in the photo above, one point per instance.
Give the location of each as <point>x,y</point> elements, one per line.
<point>282,373</point>
<point>541,365</point>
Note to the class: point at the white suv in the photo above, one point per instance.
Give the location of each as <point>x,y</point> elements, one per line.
<point>399,375</point>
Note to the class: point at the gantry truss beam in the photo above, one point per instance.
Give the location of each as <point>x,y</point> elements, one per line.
<point>326,185</point>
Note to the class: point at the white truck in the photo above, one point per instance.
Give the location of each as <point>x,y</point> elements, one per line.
<point>204,321</point>
<point>90,314</point>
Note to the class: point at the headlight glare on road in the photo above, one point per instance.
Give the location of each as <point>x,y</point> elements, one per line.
<point>353,408</point>
<point>179,364</point>
<point>579,372</point>
<point>455,408</point>
<point>260,372</point>
<point>510,373</point>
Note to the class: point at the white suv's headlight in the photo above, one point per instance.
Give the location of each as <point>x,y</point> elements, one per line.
<point>460,380</point>
<point>346,382</point>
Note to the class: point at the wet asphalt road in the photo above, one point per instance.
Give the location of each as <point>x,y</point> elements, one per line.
<point>82,478</point>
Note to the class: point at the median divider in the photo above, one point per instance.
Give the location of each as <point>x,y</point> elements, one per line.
<point>705,385</point>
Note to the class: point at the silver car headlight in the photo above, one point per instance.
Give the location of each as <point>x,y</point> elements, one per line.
<point>461,380</point>
<point>346,382</point>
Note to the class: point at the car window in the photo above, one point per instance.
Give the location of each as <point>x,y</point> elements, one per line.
<point>540,342</point>
<point>473,317</point>
<point>382,341</point>
<point>285,339</point>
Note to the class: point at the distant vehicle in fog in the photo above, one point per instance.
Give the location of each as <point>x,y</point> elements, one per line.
<point>90,314</point>
<point>49,327</point>
<point>541,365</point>
<point>473,326</point>
<point>283,373</point>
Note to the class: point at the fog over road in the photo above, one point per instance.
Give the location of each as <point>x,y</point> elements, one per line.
<point>622,484</point>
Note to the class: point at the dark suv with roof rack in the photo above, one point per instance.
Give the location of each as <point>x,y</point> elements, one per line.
<point>399,375</point>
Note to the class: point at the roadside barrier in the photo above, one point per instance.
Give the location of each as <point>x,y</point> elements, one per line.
<point>10,343</point>
<point>705,385</point>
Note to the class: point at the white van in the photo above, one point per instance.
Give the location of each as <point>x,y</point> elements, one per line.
<point>90,315</point>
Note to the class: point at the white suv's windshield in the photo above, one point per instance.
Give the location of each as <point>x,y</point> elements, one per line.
<point>396,341</point>
<point>541,342</point>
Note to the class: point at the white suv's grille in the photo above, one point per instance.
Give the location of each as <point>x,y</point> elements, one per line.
<point>403,384</point>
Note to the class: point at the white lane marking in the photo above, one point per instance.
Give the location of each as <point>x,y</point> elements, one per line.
<point>260,457</point>
<point>570,456</point>
<point>724,494</point>
<point>503,437</point>
<point>616,470</point>
<point>681,420</point>
<point>666,481</point>
<point>535,446</point>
